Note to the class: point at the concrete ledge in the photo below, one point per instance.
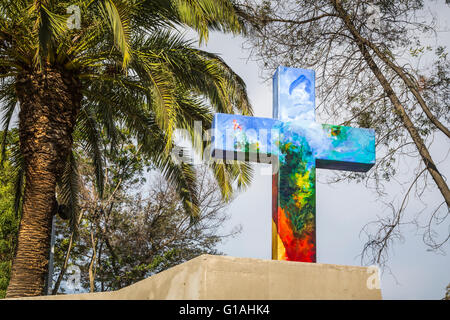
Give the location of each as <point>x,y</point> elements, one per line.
<point>209,277</point>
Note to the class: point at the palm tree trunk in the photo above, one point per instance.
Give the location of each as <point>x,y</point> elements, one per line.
<point>49,102</point>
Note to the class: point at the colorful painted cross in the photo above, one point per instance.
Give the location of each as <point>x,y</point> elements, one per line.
<point>295,145</point>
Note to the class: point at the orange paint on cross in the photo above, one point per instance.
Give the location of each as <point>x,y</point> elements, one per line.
<point>297,249</point>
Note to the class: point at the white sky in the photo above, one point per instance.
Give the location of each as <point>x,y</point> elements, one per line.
<point>342,209</point>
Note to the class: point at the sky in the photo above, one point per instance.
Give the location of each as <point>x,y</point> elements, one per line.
<point>342,209</point>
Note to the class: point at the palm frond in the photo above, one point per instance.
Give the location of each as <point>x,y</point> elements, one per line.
<point>69,188</point>
<point>9,105</point>
<point>243,173</point>
<point>87,132</point>
<point>162,85</point>
<point>222,175</point>
<point>116,13</point>
<point>18,165</point>
<point>205,15</point>
<point>47,27</point>
<point>226,174</point>
<point>183,177</point>
<point>202,73</point>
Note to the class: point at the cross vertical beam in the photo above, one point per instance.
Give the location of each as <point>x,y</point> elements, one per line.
<point>294,204</point>
<point>293,183</point>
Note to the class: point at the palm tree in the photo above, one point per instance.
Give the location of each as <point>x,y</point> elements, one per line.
<point>125,64</point>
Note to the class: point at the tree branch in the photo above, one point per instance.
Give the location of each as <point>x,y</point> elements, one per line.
<point>400,110</point>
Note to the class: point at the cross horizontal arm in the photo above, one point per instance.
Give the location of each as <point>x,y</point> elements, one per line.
<point>254,139</point>
<point>335,147</point>
<point>350,149</point>
<point>244,138</point>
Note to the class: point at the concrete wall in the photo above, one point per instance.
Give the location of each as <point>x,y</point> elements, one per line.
<point>227,278</point>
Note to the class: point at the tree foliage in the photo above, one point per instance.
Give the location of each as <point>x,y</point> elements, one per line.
<point>135,233</point>
<point>135,68</point>
<point>9,220</point>
<point>101,66</point>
